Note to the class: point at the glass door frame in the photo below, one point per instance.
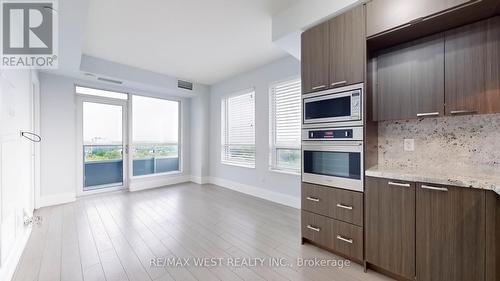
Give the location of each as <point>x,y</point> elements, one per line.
<point>80,100</point>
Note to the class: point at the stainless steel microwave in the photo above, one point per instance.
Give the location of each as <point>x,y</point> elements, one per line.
<point>335,107</point>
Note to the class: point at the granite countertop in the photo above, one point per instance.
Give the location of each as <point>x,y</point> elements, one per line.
<point>436,176</point>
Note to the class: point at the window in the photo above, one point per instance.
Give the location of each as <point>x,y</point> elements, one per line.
<point>155,135</point>
<point>238,130</point>
<point>285,119</point>
<point>100,93</point>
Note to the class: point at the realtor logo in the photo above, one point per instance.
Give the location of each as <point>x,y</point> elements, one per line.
<point>29,34</point>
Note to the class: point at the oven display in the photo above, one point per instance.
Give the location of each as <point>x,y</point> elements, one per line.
<point>331,134</point>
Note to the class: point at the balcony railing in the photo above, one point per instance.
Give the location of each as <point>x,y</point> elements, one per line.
<point>103,165</point>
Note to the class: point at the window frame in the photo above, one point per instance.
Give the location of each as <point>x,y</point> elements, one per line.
<point>273,147</point>
<point>224,128</point>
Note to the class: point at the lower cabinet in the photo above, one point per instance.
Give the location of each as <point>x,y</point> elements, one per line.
<point>450,238</point>
<point>390,225</point>
<point>428,232</point>
<point>333,218</point>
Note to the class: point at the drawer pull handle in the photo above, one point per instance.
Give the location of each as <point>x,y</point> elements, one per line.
<point>317,229</point>
<point>463,111</point>
<point>344,206</point>
<point>399,184</point>
<point>339,83</point>
<point>344,239</point>
<point>319,87</point>
<point>428,114</point>
<point>434,188</point>
<point>313,199</point>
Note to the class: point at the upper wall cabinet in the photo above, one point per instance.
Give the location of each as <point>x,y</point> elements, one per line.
<point>472,68</point>
<point>347,48</point>
<point>333,53</point>
<point>315,58</point>
<point>411,80</point>
<point>384,15</point>
<point>391,22</point>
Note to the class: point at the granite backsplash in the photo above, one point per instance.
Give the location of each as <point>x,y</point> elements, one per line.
<point>460,143</point>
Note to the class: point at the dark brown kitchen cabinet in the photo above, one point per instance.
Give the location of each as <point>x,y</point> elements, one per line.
<point>385,15</point>
<point>410,80</point>
<point>315,58</point>
<point>450,233</point>
<point>347,48</point>
<point>472,68</point>
<point>492,236</point>
<point>390,225</point>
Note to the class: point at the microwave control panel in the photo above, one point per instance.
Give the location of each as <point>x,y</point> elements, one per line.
<point>356,105</point>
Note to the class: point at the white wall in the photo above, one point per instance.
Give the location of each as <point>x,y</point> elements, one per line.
<point>261,182</point>
<point>58,129</point>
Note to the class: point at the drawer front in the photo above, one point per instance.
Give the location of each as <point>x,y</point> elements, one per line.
<point>348,239</point>
<point>339,236</point>
<point>317,228</point>
<point>315,198</point>
<point>340,204</point>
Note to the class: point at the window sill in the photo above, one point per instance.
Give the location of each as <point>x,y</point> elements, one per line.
<point>288,172</point>
<point>238,165</point>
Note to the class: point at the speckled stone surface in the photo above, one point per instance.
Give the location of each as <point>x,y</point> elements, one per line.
<point>487,182</point>
<point>460,150</point>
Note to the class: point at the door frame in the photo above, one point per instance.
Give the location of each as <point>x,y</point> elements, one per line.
<point>80,99</point>
<point>35,107</point>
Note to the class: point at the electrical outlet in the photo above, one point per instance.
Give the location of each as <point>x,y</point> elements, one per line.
<point>409,145</point>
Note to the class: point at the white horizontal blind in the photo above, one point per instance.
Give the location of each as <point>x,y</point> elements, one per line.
<point>238,129</point>
<point>286,118</point>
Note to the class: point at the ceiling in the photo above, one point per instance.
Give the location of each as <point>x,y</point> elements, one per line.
<point>198,40</point>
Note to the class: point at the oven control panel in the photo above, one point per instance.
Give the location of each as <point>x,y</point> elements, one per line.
<point>353,133</point>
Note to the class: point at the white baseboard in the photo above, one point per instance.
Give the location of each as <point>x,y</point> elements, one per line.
<point>200,180</point>
<point>9,266</point>
<point>57,199</point>
<point>260,192</point>
<point>154,182</point>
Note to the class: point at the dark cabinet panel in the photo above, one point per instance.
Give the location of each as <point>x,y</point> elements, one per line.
<point>450,233</point>
<point>390,225</point>
<point>340,204</point>
<point>411,80</point>
<point>347,48</point>
<point>472,68</point>
<point>315,58</point>
<point>492,236</point>
<point>465,68</point>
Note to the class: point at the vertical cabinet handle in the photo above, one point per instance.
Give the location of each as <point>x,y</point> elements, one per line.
<point>314,199</point>
<point>434,188</point>
<point>344,239</point>
<point>399,184</point>
<point>317,229</point>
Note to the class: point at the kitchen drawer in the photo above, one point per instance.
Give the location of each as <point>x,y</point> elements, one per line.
<point>341,237</point>
<point>340,204</point>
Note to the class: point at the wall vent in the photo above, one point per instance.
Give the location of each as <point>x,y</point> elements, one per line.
<point>109,80</point>
<point>185,85</point>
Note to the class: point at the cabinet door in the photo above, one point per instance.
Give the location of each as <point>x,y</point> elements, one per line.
<point>347,48</point>
<point>492,94</point>
<point>465,69</point>
<point>390,225</point>
<point>411,80</point>
<point>315,58</point>
<point>492,236</point>
<point>384,15</point>
<point>450,237</point>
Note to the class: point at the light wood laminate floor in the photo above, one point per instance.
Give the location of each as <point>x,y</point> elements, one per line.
<point>114,236</point>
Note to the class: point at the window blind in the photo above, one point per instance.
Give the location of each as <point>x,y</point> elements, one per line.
<point>238,129</point>
<point>286,119</point>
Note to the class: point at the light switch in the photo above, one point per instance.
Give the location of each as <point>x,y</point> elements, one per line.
<point>409,145</point>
